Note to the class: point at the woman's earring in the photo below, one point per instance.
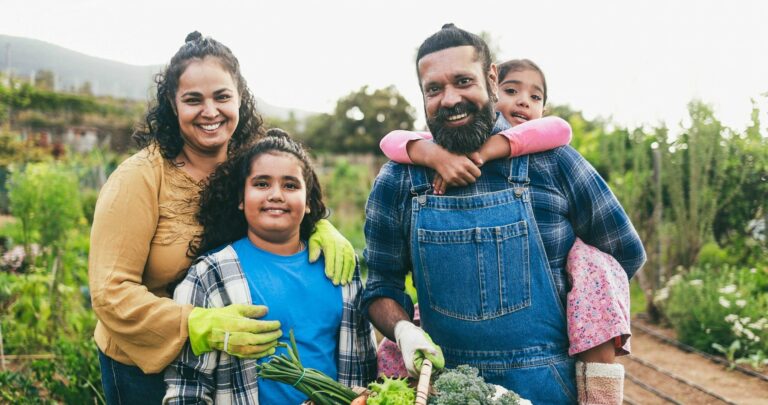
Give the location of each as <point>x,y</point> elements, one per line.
<point>240,207</point>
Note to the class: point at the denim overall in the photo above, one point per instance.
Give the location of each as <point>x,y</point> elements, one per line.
<point>486,293</point>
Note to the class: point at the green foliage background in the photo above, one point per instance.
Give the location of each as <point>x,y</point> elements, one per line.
<point>698,196</point>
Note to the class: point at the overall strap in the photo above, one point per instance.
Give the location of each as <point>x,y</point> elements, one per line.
<point>518,170</point>
<point>518,174</point>
<point>420,183</point>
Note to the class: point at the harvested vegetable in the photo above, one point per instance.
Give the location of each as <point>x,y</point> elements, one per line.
<point>463,385</point>
<point>392,391</point>
<point>320,388</point>
<point>361,400</point>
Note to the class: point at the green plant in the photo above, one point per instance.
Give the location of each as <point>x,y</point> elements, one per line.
<point>26,309</point>
<point>719,309</point>
<point>26,312</point>
<point>346,190</point>
<point>729,352</point>
<point>18,388</point>
<point>757,360</point>
<point>73,377</point>
<point>463,385</point>
<point>391,391</point>
<point>712,255</point>
<point>320,388</point>
<point>89,198</point>
<point>45,198</point>
<point>637,299</point>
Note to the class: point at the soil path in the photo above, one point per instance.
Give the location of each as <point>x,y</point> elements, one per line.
<point>652,362</point>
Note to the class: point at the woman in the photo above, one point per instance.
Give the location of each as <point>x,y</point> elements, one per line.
<point>145,219</point>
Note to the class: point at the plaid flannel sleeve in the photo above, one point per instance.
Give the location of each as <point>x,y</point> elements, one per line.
<point>596,214</point>
<point>357,343</point>
<point>387,251</point>
<point>190,379</point>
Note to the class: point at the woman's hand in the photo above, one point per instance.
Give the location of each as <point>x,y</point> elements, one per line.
<point>232,329</point>
<point>338,252</point>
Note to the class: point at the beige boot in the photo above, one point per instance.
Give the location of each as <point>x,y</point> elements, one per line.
<point>599,383</point>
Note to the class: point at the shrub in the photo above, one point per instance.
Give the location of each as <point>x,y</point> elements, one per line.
<point>712,255</point>
<point>73,377</point>
<point>45,198</point>
<point>711,308</point>
<point>346,189</point>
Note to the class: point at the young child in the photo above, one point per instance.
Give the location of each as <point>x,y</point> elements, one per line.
<point>257,212</point>
<point>598,303</point>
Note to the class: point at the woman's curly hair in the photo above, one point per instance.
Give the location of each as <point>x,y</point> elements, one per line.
<point>161,126</point>
<point>222,220</point>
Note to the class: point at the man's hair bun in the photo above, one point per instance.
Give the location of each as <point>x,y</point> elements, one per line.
<point>193,36</point>
<point>277,133</point>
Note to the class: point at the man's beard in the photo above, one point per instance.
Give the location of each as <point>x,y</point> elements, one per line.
<point>466,138</point>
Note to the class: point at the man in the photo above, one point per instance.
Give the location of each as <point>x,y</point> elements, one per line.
<point>489,258</point>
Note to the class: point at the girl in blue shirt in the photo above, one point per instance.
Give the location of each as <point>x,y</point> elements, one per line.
<point>257,212</point>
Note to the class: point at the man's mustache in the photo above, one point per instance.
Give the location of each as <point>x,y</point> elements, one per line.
<point>462,107</point>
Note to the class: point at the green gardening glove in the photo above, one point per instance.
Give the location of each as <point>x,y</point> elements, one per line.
<point>231,329</point>
<point>339,253</point>
<point>415,345</point>
<point>437,359</point>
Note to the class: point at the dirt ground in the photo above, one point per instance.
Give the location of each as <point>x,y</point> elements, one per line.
<point>732,386</point>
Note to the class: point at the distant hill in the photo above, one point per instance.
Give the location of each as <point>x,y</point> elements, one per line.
<point>107,77</point>
<point>72,69</point>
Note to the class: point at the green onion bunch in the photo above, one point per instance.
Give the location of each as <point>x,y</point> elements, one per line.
<point>320,388</point>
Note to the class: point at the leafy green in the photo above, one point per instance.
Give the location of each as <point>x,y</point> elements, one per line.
<point>392,391</point>
<point>463,386</point>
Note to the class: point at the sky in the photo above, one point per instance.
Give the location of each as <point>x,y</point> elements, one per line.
<point>634,63</point>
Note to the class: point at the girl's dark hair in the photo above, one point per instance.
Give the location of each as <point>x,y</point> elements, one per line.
<point>223,222</point>
<point>517,65</point>
<point>161,127</point>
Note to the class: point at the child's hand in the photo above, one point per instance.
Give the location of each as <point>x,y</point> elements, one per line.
<point>452,170</point>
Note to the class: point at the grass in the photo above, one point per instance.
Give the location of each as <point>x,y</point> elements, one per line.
<point>637,302</point>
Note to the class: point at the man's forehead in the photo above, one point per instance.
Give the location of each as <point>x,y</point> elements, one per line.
<point>456,60</point>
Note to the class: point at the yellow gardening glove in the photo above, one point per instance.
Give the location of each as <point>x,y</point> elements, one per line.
<point>339,253</point>
<point>415,345</point>
<point>231,329</point>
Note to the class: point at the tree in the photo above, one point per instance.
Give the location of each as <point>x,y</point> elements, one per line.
<point>45,80</point>
<point>736,223</point>
<point>85,89</point>
<point>291,124</point>
<point>360,120</point>
<point>493,45</point>
<point>696,172</point>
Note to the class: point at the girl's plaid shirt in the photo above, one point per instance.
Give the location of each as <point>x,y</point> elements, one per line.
<point>217,280</point>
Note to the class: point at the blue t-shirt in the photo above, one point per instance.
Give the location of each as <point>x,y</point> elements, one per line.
<point>299,295</point>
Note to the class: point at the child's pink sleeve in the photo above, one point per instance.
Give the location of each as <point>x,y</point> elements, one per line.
<point>538,135</point>
<point>598,303</point>
<point>394,144</point>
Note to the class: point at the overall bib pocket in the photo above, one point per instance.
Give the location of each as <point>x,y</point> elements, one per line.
<point>488,275</point>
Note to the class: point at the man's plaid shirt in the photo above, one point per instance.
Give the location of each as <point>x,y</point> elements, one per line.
<point>568,197</point>
<point>217,280</point>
